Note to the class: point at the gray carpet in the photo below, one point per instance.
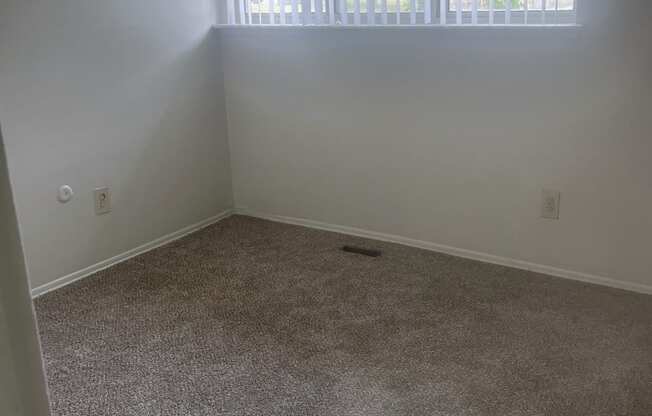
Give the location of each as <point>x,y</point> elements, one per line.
<point>250,317</point>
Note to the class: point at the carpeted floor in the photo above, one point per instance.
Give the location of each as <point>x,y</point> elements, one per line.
<point>250,317</point>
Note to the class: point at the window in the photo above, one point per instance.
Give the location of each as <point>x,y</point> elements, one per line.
<point>516,5</point>
<point>404,5</point>
<point>512,12</point>
<point>264,5</point>
<point>400,12</point>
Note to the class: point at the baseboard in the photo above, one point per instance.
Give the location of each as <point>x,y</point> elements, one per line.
<point>88,271</point>
<point>426,245</point>
<point>454,251</point>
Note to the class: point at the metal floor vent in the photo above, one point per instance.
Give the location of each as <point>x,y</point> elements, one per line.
<point>362,251</point>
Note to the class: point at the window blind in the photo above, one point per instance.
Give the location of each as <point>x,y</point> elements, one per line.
<point>401,12</point>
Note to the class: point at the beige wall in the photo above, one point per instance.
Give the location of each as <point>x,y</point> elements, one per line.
<point>121,93</point>
<point>22,383</point>
<point>449,136</point>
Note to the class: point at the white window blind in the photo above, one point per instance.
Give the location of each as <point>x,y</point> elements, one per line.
<point>401,12</point>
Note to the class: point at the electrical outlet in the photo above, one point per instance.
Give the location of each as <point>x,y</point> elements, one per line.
<point>550,204</point>
<point>102,201</point>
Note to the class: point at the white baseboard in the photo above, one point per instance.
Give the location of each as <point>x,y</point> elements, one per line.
<point>426,245</point>
<point>454,251</point>
<point>73,277</point>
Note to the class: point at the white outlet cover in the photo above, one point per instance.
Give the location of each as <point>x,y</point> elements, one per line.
<point>102,201</point>
<point>65,194</point>
<point>550,204</point>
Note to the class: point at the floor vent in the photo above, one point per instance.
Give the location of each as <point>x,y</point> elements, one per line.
<point>363,251</point>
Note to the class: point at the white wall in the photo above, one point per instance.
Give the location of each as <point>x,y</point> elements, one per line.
<point>9,399</point>
<point>448,136</point>
<point>22,383</point>
<point>121,93</point>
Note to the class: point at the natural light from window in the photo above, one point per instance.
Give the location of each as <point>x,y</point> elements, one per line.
<point>485,5</point>
<point>467,5</point>
<point>402,12</point>
<point>264,5</point>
